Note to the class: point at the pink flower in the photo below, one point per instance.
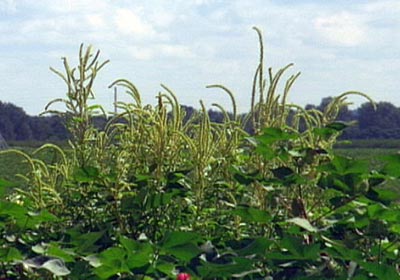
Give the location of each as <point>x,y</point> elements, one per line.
<point>183,276</point>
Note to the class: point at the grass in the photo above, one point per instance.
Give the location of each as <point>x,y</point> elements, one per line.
<point>12,164</point>
<point>372,154</point>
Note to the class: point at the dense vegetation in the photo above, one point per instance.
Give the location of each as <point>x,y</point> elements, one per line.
<point>370,121</point>
<point>154,194</point>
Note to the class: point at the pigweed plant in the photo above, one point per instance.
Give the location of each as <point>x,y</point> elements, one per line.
<point>156,193</point>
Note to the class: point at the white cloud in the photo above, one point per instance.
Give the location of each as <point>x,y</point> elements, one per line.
<point>141,53</point>
<point>8,6</point>
<point>343,29</point>
<point>128,22</point>
<point>162,18</point>
<point>163,51</point>
<point>207,41</point>
<point>382,6</point>
<point>96,20</point>
<point>175,50</point>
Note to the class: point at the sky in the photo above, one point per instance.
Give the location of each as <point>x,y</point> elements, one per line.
<point>186,45</point>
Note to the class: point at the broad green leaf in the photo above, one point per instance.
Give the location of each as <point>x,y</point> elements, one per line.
<point>375,210</point>
<point>139,254</point>
<point>392,165</point>
<point>177,238</point>
<point>184,252</point>
<point>381,271</point>
<point>293,244</point>
<point>268,152</point>
<point>113,261</point>
<point>108,256</point>
<point>8,254</point>
<point>211,270</point>
<point>272,134</point>
<point>43,216</point>
<point>12,209</point>
<point>106,271</point>
<point>338,126</point>
<point>129,244</point>
<point>65,254</point>
<point>258,246</point>
<point>250,214</point>
<point>342,166</point>
<point>382,195</point>
<point>85,243</point>
<point>166,267</point>
<point>324,132</point>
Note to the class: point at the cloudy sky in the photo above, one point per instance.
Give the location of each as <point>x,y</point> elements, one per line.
<point>187,44</point>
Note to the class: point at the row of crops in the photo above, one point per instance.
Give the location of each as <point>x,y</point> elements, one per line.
<point>154,195</point>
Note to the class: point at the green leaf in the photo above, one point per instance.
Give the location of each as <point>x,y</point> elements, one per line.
<point>65,254</point>
<point>177,238</point>
<point>293,244</point>
<point>296,250</point>
<point>139,254</point>
<point>12,209</point>
<point>395,229</point>
<point>211,270</point>
<point>85,243</point>
<point>250,214</point>
<point>268,152</point>
<point>162,199</point>
<point>338,126</point>
<point>106,271</point>
<point>382,195</point>
<point>10,254</point>
<point>184,252</point>
<point>324,132</point>
<point>111,254</point>
<point>43,216</point>
<point>258,246</point>
<point>4,185</point>
<point>303,223</point>
<point>86,174</point>
<point>271,135</point>
<point>166,267</point>
<point>381,271</point>
<point>113,261</point>
<point>392,165</point>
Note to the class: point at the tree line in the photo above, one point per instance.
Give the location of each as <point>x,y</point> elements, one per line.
<point>379,122</point>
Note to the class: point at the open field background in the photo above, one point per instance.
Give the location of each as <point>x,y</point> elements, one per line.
<point>12,164</point>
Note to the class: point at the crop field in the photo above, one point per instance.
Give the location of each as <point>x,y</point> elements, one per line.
<point>372,155</point>
<point>156,196</point>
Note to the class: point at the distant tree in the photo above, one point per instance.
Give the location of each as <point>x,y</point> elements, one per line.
<point>386,116</point>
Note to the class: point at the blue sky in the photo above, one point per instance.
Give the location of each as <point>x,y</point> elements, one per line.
<point>186,45</point>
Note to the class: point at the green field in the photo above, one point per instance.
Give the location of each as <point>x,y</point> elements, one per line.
<point>372,154</point>
<point>12,164</point>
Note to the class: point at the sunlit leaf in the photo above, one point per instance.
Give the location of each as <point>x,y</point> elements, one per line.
<point>303,223</point>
